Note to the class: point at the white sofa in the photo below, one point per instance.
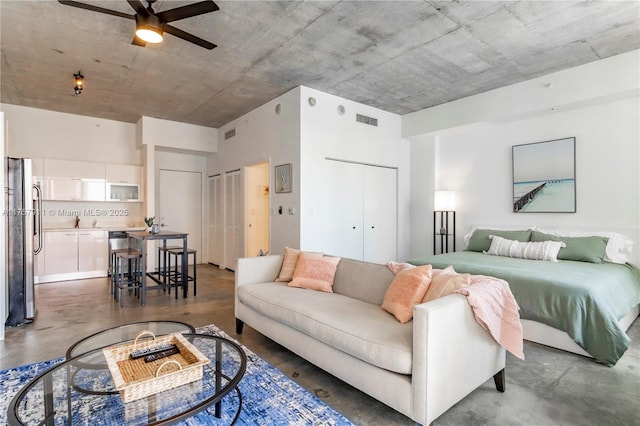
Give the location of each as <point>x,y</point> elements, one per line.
<point>421,368</point>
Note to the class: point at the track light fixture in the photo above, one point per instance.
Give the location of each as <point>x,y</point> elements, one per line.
<point>79,79</point>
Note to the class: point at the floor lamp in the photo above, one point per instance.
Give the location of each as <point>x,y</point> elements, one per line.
<point>444,209</point>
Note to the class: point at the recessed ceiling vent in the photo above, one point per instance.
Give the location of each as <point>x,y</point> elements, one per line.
<point>229,134</point>
<point>367,120</point>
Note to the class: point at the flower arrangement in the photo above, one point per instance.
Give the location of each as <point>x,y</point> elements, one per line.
<point>149,221</point>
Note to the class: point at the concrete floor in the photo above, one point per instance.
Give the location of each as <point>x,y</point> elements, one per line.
<point>550,387</point>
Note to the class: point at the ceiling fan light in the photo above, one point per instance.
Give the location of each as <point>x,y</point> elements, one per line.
<point>150,35</point>
<point>149,29</point>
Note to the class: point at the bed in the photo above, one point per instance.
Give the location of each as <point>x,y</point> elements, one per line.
<point>578,306</point>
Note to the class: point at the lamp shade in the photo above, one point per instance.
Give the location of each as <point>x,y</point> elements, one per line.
<point>444,201</point>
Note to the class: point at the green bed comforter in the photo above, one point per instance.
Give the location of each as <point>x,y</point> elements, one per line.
<point>586,300</point>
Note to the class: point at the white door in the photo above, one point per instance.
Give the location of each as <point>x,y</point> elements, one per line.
<point>180,206</point>
<point>256,197</point>
<point>216,222</point>
<point>232,218</point>
<point>344,214</point>
<point>380,214</point>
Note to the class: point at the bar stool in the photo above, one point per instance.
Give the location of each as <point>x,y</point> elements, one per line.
<point>161,262</point>
<point>113,269</point>
<point>176,277</point>
<point>127,273</point>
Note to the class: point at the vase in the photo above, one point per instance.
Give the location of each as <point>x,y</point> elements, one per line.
<point>154,229</point>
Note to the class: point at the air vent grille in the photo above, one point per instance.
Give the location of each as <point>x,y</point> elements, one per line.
<point>367,120</point>
<point>229,134</point>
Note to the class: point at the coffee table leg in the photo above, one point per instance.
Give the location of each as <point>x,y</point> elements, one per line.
<point>218,375</point>
<point>152,413</point>
<point>48,400</point>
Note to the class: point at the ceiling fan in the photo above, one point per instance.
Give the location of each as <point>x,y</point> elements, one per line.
<point>151,25</point>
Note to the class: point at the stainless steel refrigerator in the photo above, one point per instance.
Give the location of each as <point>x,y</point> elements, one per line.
<point>24,238</point>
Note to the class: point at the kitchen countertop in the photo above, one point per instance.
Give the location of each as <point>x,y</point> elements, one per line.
<point>97,228</point>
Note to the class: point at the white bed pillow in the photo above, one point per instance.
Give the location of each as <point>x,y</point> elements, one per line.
<point>543,250</point>
<point>618,246</point>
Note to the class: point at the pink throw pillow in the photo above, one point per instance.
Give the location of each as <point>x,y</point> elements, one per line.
<point>406,290</point>
<point>315,273</point>
<point>444,283</point>
<point>396,267</point>
<point>289,263</point>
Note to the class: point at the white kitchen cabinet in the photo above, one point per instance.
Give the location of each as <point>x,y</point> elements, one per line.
<point>93,252</point>
<point>123,173</point>
<point>73,254</point>
<point>124,182</point>
<point>362,215</point>
<point>61,253</point>
<point>38,265</point>
<point>67,180</point>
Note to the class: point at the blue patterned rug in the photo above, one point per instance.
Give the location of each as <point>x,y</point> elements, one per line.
<point>268,396</point>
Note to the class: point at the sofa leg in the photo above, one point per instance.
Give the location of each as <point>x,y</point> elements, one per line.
<point>499,380</point>
<point>239,326</point>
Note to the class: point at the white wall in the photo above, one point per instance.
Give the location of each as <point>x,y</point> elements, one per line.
<point>326,133</point>
<point>474,159</point>
<point>263,135</point>
<point>33,132</point>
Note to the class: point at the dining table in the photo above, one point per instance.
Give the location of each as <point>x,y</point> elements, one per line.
<point>141,238</point>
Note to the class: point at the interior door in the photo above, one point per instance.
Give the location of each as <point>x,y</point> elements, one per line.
<point>216,216</point>
<point>256,198</point>
<point>380,214</point>
<point>232,218</point>
<point>180,205</point>
<point>344,214</point>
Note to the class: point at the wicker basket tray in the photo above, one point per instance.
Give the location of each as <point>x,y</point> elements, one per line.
<point>136,379</point>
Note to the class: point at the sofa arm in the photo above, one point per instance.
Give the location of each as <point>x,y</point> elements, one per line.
<point>259,269</point>
<point>452,356</point>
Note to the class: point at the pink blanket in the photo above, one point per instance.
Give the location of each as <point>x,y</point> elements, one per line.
<point>496,310</point>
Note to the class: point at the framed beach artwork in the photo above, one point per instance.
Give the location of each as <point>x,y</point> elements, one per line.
<point>544,177</point>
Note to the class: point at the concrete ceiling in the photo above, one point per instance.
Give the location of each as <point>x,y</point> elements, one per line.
<point>399,56</point>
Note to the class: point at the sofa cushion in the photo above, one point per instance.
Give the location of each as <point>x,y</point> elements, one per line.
<point>361,329</point>
<point>407,290</point>
<point>315,273</point>
<point>289,261</point>
<point>362,280</point>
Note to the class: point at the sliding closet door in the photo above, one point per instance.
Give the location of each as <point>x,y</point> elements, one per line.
<point>344,215</point>
<point>380,202</point>
<point>233,218</point>
<point>216,215</point>
<point>362,217</point>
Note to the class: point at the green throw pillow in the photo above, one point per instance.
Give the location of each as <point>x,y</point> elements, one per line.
<point>480,240</point>
<point>581,249</point>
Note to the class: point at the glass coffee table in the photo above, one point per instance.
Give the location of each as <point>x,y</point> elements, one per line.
<point>125,333</point>
<point>81,390</point>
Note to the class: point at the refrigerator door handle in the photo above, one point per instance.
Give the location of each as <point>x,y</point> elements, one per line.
<point>38,217</point>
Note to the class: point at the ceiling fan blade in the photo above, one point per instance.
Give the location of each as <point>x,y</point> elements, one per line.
<point>138,7</point>
<point>187,11</point>
<point>95,8</point>
<point>188,37</point>
<point>137,41</point>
